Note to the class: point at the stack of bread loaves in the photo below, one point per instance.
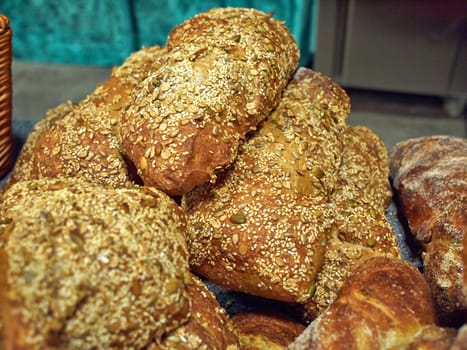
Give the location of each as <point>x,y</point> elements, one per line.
<point>214,160</point>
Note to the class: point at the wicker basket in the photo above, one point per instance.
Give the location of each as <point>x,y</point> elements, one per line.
<point>6,137</point>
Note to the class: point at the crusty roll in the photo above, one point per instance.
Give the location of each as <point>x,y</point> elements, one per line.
<point>208,327</point>
<point>363,170</point>
<point>361,229</point>
<point>363,192</point>
<point>460,343</point>
<point>384,304</point>
<point>430,178</point>
<point>85,267</point>
<point>223,73</point>
<point>266,329</point>
<point>262,227</point>
<point>81,140</point>
<point>23,168</point>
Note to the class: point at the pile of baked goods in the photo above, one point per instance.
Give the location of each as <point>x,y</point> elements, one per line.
<point>217,161</point>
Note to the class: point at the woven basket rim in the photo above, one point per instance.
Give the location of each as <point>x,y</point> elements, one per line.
<point>4,23</point>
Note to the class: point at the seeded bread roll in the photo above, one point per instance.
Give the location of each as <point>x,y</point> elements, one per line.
<point>430,178</point>
<point>361,230</point>
<point>84,267</point>
<point>363,170</point>
<point>266,329</point>
<point>23,169</point>
<point>384,304</point>
<point>363,192</point>
<point>84,142</point>
<point>460,343</point>
<point>223,73</point>
<point>262,227</point>
<point>208,327</point>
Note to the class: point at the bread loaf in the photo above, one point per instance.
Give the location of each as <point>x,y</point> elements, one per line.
<point>85,267</point>
<point>266,329</point>
<point>384,304</point>
<point>363,192</point>
<point>430,178</point>
<point>81,140</point>
<point>223,73</point>
<point>23,168</point>
<point>361,230</point>
<point>460,343</point>
<point>262,227</point>
<point>208,326</point>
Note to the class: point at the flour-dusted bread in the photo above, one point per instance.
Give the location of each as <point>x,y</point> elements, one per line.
<point>384,304</point>
<point>85,267</point>
<point>223,74</point>
<point>430,178</point>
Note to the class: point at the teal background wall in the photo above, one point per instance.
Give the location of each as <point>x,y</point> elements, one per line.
<point>105,32</point>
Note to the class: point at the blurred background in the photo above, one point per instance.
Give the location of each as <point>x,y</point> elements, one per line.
<point>403,63</point>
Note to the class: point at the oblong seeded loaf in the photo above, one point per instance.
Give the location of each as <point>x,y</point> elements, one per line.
<point>223,73</point>
<point>262,227</point>
<point>80,140</point>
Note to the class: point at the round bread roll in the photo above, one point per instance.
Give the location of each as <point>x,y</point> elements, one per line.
<point>84,267</point>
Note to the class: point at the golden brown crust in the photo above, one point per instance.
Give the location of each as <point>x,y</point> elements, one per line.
<point>262,227</point>
<point>384,304</point>
<point>361,229</point>
<point>266,329</point>
<point>460,343</point>
<point>363,192</point>
<point>430,176</point>
<point>340,260</point>
<point>464,264</point>
<point>23,169</point>
<point>89,267</point>
<point>208,327</point>
<point>84,143</point>
<point>363,153</point>
<point>223,73</point>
